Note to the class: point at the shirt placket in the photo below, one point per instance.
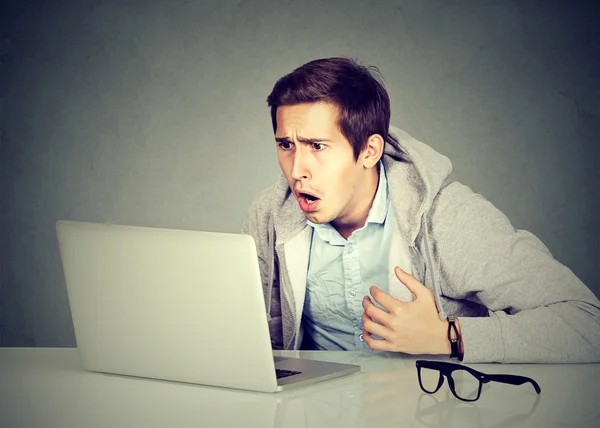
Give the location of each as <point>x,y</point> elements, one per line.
<point>353,286</point>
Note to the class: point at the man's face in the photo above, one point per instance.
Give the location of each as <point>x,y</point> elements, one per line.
<point>318,162</point>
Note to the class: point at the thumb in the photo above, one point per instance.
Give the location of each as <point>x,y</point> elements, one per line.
<point>412,283</point>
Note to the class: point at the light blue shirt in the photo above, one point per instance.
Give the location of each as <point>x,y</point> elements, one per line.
<point>340,273</point>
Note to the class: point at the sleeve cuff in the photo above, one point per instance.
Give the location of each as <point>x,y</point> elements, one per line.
<point>482,340</point>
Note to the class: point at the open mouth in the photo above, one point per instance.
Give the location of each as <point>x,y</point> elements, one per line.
<point>308,202</point>
<point>310,199</point>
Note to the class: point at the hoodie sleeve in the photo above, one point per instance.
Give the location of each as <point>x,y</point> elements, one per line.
<point>539,311</point>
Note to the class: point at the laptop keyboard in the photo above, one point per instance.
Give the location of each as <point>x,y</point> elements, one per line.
<point>280,373</point>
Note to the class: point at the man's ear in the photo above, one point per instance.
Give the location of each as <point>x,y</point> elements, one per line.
<point>373,151</point>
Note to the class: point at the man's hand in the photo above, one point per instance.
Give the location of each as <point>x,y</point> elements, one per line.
<point>409,327</point>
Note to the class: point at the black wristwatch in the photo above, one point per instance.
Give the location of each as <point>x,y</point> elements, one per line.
<point>454,343</point>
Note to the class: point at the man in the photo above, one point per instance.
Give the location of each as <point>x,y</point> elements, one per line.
<point>364,242</point>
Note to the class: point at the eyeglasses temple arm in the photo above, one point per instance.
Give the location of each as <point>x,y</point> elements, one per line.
<point>513,380</point>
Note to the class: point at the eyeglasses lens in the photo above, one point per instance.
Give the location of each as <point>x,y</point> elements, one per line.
<point>466,385</point>
<point>430,379</point>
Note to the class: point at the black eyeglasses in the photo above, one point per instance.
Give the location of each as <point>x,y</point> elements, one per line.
<point>464,382</point>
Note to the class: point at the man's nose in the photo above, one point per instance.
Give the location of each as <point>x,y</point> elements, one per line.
<point>300,170</point>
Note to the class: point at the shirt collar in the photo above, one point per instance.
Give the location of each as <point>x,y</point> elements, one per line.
<point>378,211</point>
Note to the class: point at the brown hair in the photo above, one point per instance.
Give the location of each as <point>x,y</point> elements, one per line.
<point>356,90</point>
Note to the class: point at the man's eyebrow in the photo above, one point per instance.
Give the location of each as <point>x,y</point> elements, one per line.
<point>303,140</point>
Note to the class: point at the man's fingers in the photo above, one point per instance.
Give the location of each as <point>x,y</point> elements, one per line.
<point>412,283</point>
<point>373,327</point>
<point>376,344</point>
<point>374,312</point>
<point>385,299</point>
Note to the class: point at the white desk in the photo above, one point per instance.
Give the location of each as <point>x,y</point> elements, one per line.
<point>44,387</point>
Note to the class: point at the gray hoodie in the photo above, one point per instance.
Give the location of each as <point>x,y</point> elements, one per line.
<point>514,301</point>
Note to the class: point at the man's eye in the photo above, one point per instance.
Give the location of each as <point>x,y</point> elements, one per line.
<point>285,146</point>
<point>318,146</point>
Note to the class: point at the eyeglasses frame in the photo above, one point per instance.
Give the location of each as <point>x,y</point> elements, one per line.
<point>445,369</point>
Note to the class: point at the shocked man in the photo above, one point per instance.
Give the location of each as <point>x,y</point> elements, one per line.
<point>365,243</point>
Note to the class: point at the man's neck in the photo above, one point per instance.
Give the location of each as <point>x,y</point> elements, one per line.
<point>357,218</point>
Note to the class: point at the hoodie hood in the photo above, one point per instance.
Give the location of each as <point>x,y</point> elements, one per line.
<point>418,174</point>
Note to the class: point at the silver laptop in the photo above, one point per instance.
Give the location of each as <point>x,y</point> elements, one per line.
<point>176,305</point>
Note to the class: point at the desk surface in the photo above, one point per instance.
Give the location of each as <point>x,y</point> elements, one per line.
<point>46,387</point>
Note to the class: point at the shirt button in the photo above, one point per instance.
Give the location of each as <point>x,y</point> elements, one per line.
<point>361,337</point>
<point>349,250</point>
<point>352,294</point>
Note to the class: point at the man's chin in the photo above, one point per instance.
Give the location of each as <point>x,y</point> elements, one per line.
<point>316,218</point>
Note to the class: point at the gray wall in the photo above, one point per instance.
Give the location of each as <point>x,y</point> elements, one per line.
<point>153,113</point>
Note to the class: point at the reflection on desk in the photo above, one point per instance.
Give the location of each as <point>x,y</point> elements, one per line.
<point>46,387</point>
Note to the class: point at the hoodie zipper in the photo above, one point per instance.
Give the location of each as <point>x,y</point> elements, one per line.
<point>286,299</point>
<point>271,279</point>
<point>429,264</point>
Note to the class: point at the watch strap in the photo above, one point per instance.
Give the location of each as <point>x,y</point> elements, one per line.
<point>454,341</point>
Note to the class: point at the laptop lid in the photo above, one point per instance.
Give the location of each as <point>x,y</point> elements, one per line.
<point>167,304</point>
